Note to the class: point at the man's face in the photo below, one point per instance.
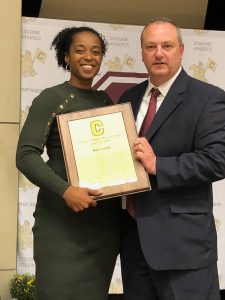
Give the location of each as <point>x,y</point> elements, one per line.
<point>162,51</point>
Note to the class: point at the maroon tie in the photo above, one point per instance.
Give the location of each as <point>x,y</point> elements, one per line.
<point>150,112</point>
<point>144,127</point>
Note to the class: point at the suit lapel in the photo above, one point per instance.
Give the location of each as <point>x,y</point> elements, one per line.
<point>170,103</point>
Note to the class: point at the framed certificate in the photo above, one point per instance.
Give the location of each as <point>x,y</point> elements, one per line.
<point>98,150</point>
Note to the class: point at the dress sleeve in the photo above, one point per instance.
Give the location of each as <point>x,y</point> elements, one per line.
<point>31,144</point>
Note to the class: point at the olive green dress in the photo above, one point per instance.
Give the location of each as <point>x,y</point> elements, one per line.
<point>75,253</point>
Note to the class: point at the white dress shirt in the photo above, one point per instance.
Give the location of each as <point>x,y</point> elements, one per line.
<point>163,88</point>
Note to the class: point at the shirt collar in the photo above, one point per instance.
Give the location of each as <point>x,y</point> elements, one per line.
<point>163,88</point>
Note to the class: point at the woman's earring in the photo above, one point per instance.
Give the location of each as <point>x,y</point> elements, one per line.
<point>67,67</point>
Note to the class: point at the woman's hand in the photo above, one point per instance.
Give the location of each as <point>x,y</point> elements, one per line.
<point>78,198</point>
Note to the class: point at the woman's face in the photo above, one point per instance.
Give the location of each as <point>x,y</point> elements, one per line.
<point>84,58</point>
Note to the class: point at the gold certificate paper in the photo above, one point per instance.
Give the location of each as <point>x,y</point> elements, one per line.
<point>102,151</point>
<point>98,144</point>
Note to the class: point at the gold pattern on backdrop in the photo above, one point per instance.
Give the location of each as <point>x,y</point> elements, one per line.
<point>117,64</point>
<point>117,26</point>
<point>199,70</point>
<point>115,287</point>
<point>25,239</point>
<point>200,32</point>
<point>217,223</point>
<point>28,20</point>
<point>27,61</point>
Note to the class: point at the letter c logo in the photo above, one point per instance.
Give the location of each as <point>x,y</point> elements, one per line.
<point>97,127</point>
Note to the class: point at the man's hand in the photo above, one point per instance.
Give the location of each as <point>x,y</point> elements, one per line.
<point>144,152</point>
<point>78,198</point>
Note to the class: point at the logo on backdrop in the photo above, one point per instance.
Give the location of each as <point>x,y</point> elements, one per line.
<point>116,286</point>
<point>117,26</point>
<point>199,70</point>
<point>26,20</point>
<point>28,59</point>
<point>217,223</point>
<point>117,64</point>
<point>200,32</point>
<point>25,239</point>
<point>115,83</point>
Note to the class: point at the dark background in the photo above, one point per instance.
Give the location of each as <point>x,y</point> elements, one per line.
<point>214,20</point>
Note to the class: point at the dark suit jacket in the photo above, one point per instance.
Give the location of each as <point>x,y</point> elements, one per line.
<point>175,221</point>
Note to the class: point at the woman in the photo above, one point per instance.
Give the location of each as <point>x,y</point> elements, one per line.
<point>76,242</point>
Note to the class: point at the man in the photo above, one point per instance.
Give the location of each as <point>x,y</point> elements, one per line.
<point>170,248</point>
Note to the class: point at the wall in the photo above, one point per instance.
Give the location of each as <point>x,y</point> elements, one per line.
<point>10,19</point>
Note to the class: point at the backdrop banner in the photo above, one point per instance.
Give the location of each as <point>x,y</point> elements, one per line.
<point>121,68</point>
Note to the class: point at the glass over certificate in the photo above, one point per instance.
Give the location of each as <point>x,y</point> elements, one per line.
<point>97,146</point>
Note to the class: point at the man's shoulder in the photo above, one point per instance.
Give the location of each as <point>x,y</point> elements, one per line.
<point>197,84</point>
<point>136,89</point>
<point>205,86</point>
<point>139,86</point>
